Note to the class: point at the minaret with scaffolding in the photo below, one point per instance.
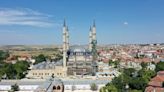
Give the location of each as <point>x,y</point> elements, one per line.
<point>94,42</point>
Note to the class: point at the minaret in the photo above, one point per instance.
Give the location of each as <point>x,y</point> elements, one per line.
<point>67,40</point>
<point>90,39</point>
<point>64,44</point>
<point>94,31</point>
<point>94,42</point>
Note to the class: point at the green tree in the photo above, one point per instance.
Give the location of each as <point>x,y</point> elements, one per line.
<point>142,79</point>
<point>10,71</point>
<point>15,87</point>
<point>144,65</point>
<point>21,67</point>
<point>148,74</point>
<point>111,88</point>
<point>118,82</point>
<point>40,59</point>
<point>93,87</point>
<point>14,71</point>
<point>129,71</point>
<point>3,55</point>
<point>135,90</point>
<point>2,69</point>
<point>159,66</point>
<point>58,56</point>
<point>114,63</point>
<point>137,82</point>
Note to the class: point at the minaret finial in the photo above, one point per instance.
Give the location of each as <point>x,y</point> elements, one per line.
<point>64,24</point>
<point>90,29</point>
<point>94,24</point>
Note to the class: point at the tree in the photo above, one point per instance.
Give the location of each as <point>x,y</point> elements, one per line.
<point>3,55</point>
<point>142,79</point>
<point>73,87</point>
<point>14,71</point>
<point>40,59</point>
<point>136,83</point>
<point>59,56</point>
<point>159,66</point>
<point>94,87</point>
<point>118,82</point>
<point>10,71</point>
<point>21,67</point>
<point>144,65</point>
<point>135,90</point>
<point>15,87</point>
<point>114,63</point>
<point>110,88</point>
<point>129,71</point>
<point>2,69</point>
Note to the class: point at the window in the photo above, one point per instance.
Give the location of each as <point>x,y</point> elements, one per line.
<point>58,88</point>
<point>54,87</point>
<point>67,88</point>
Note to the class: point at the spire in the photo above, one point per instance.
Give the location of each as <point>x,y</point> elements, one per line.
<point>64,44</point>
<point>90,39</point>
<point>94,24</point>
<point>90,29</point>
<point>67,39</point>
<point>67,33</point>
<point>64,24</point>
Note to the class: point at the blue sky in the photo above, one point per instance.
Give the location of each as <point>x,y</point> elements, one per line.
<point>117,21</point>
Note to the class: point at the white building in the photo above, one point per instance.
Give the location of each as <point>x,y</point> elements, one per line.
<point>52,85</point>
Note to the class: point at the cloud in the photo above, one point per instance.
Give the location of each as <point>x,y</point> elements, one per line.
<point>25,17</point>
<point>125,23</point>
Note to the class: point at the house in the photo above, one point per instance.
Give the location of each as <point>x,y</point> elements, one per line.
<point>156,84</point>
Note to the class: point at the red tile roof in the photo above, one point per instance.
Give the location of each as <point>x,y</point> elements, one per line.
<point>155,85</point>
<point>161,73</point>
<point>158,78</point>
<point>154,89</point>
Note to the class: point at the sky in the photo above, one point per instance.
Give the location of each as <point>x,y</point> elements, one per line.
<point>39,22</point>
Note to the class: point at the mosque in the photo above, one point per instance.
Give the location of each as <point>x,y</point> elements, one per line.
<point>77,60</point>
<point>75,72</point>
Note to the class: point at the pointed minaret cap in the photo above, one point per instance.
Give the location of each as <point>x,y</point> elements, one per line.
<point>64,24</point>
<point>90,29</point>
<point>94,24</point>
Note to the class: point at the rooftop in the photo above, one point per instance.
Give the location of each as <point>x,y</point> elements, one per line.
<point>47,65</point>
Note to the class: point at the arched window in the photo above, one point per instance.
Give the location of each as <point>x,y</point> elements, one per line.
<point>54,87</point>
<point>58,88</point>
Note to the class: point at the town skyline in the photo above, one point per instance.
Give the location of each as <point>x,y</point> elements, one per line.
<point>117,22</point>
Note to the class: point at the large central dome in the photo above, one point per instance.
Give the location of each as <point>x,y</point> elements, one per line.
<point>78,49</point>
